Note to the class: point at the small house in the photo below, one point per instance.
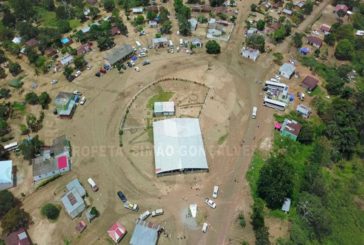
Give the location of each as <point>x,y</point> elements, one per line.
<point>359,33</point>
<point>250,53</point>
<point>66,41</point>
<point>65,104</point>
<point>275,25</point>
<point>49,52</point>
<point>299,4</point>
<point>287,70</point>
<point>303,110</point>
<point>119,54</point>
<point>223,22</point>
<point>81,226</point>
<point>196,42</point>
<point>152,9</point>
<point>86,29</point>
<point>75,184</point>
<point>153,24</point>
<point>19,237</point>
<point>145,233</point>
<point>115,31</point>
<point>195,8</point>
<point>137,10</point>
<point>287,12</point>
<point>84,49</point>
<point>291,129</point>
<point>164,108</point>
<point>309,83</point>
<point>66,60</point>
<point>86,12</point>
<point>73,203</point>
<point>205,9</point>
<point>325,28</point>
<point>266,5</point>
<point>31,43</point>
<point>342,7</point>
<point>16,40</point>
<point>221,10</point>
<point>314,41</point>
<point>6,174</point>
<point>286,205</point>
<point>193,24</point>
<point>116,232</point>
<point>161,42</point>
<point>251,31</point>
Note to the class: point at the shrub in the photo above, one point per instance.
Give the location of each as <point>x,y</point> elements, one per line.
<point>50,211</point>
<point>212,47</point>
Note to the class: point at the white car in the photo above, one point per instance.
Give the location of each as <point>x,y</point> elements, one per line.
<point>89,67</point>
<point>137,68</point>
<point>211,203</point>
<point>78,73</point>
<point>83,100</point>
<point>76,92</point>
<point>54,81</point>
<point>204,227</point>
<point>145,215</point>
<point>216,190</point>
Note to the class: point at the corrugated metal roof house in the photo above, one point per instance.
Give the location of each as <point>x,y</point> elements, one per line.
<point>145,233</point>
<point>287,70</point>
<point>6,174</point>
<point>73,203</point>
<point>164,108</point>
<point>75,184</point>
<point>119,54</point>
<point>290,128</point>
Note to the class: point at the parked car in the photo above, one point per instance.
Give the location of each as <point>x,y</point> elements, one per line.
<point>76,92</point>
<point>98,74</point>
<point>211,203</point>
<point>157,212</point>
<point>77,98</point>
<point>107,67</point>
<point>132,63</point>
<point>71,78</point>
<point>92,184</point>
<point>54,81</point>
<point>89,67</point>
<point>216,190</point>
<point>102,70</point>
<point>204,227</point>
<point>122,196</point>
<point>144,215</point>
<point>142,55</point>
<point>129,64</point>
<point>137,68</point>
<point>147,62</point>
<point>83,100</point>
<point>131,206</point>
<point>78,73</point>
<point>123,66</point>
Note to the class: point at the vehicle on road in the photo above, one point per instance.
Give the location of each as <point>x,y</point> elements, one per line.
<point>216,190</point>
<point>147,62</point>
<point>98,74</point>
<point>145,215</point>
<point>142,55</point>
<point>157,212</point>
<point>122,196</point>
<point>83,100</point>
<point>204,227</point>
<point>102,70</point>
<point>107,67</point>
<point>78,73</point>
<point>71,78</point>
<point>211,203</point>
<point>54,81</point>
<point>93,184</point>
<point>129,64</point>
<point>254,113</point>
<point>123,66</point>
<point>131,206</point>
<point>89,67</point>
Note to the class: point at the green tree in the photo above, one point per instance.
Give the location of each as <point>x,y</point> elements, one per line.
<point>260,25</point>
<point>216,3</point>
<point>7,201</point>
<point>32,123</point>
<point>32,147</point>
<point>256,42</point>
<point>14,68</point>
<point>344,50</point>
<point>2,56</point>
<point>9,19</point>
<point>27,30</point>
<point>62,13</point>
<point>4,93</point>
<point>306,134</point>
<point>279,34</point>
<point>31,98</point>
<point>341,13</point>
<point>31,54</point>
<point>109,5</point>
<point>2,73</point>
<point>94,12</point>
<point>297,39</point>
<point>257,215</point>
<point>23,9</point>
<point>48,4</point>
<point>115,12</point>
<point>50,211</point>
<point>139,20</point>
<point>79,61</point>
<point>63,26</point>
<point>14,219</point>
<point>104,43</point>
<point>44,99</point>
<point>307,7</point>
<point>212,47</point>
<point>166,27</point>
<point>330,39</point>
<point>67,71</point>
<point>275,181</point>
<point>253,7</point>
<point>151,15</point>
<point>262,236</point>
<point>4,127</point>
<point>184,26</point>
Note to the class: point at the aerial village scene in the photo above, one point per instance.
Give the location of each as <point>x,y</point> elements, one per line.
<point>182,122</point>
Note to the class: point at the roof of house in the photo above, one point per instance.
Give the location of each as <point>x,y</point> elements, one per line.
<point>66,59</point>
<point>65,40</point>
<point>160,40</point>
<point>220,9</point>
<point>287,68</point>
<point>152,22</point>
<point>223,22</point>
<point>287,11</point>
<point>196,40</point>
<point>341,7</point>
<point>32,42</point>
<point>115,30</point>
<point>116,232</point>
<point>6,174</point>
<point>275,25</point>
<point>17,40</point>
<point>325,27</point>
<point>250,51</point>
<point>286,205</point>
<point>193,23</point>
<point>291,126</point>
<point>145,233</point>
<point>49,51</point>
<point>303,109</point>
<point>45,164</point>
<point>84,48</point>
<point>18,237</point>
<point>63,98</point>
<point>60,145</point>
<point>86,29</point>
<point>92,1</point>
<point>205,8</point>
<point>164,106</point>
<point>175,137</point>
<point>315,40</point>
<point>310,82</point>
<point>119,53</point>
<point>152,8</point>
<point>72,201</point>
<point>75,184</point>
<point>137,10</point>
<point>16,83</point>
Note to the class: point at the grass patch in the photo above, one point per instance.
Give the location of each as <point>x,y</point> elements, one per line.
<point>317,92</point>
<point>253,173</point>
<point>277,214</point>
<point>47,18</point>
<point>74,24</point>
<point>162,96</point>
<point>44,182</point>
<point>222,139</point>
<point>18,108</point>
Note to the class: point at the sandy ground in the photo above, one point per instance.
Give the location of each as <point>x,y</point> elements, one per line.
<point>93,132</point>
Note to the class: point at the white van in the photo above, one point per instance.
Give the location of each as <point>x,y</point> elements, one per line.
<point>216,190</point>
<point>181,42</point>
<point>170,44</point>
<point>254,114</point>
<point>93,184</point>
<point>204,227</point>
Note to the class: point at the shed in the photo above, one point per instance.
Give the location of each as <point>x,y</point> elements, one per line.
<point>287,11</point>
<point>164,108</point>
<point>221,9</point>
<point>75,184</point>
<point>152,23</point>
<point>119,54</point>
<point>137,10</point>
<point>6,174</point>
<point>16,83</point>
<point>193,24</point>
<point>309,83</point>
<point>314,41</point>
<point>66,60</point>
<point>73,203</point>
<point>290,129</point>
<point>16,40</point>
<point>205,9</point>
<point>250,53</point>
<point>252,31</point>
<point>196,42</point>
<point>286,205</point>
<point>90,216</point>
<point>287,70</point>
<point>145,233</point>
<point>86,29</point>
<point>19,237</point>
<point>116,232</point>
<point>305,111</point>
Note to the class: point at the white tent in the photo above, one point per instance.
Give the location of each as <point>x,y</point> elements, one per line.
<point>6,178</point>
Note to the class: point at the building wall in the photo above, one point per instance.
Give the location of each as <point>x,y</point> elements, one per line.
<point>46,175</point>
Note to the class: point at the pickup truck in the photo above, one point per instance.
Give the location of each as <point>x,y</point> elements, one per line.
<point>131,206</point>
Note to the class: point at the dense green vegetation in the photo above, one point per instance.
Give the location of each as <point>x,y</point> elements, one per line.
<point>162,96</point>
<point>51,211</point>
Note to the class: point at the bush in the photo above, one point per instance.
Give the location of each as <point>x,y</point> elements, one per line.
<point>15,219</point>
<point>212,47</point>
<point>14,68</point>
<point>242,220</point>
<point>7,200</point>
<point>94,211</point>
<point>44,99</point>
<point>50,211</point>
<point>344,50</point>
<point>31,98</point>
